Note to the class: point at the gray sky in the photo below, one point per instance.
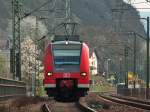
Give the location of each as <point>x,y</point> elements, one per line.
<point>140,4</point>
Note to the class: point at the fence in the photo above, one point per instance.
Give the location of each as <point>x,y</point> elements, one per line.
<point>11,88</point>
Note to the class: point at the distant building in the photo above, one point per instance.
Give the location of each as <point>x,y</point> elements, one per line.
<point>94,63</point>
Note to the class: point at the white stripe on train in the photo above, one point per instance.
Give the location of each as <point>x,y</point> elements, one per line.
<point>79,85</point>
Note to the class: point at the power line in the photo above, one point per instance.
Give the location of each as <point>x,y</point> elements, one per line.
<point>36,9</point>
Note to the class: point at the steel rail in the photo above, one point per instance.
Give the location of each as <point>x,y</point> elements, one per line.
<point>132,99</point>
<point>126,102</point>
<point>84,107</point>
<point>79,105</point>
<point>45,108</point>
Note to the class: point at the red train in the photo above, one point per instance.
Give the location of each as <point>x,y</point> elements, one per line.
<point>66,67</point>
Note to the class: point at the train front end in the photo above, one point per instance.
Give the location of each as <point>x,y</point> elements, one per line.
<point>66,65</point>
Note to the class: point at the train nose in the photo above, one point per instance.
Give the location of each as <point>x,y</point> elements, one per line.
<point>66,83</point>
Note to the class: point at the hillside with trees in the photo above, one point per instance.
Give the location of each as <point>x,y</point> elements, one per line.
<point>100,26</point>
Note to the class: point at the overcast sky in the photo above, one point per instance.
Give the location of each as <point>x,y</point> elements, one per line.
<point>141,4</point>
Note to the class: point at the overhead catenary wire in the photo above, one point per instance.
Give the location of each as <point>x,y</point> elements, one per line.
<point>35,10</point>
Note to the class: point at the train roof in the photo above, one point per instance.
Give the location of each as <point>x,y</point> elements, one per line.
<point>66,42</point>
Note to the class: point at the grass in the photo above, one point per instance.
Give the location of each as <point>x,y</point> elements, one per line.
<point>100,84</point>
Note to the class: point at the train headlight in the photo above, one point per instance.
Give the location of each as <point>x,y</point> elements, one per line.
<point>83,74</point>
<point>49,74</point>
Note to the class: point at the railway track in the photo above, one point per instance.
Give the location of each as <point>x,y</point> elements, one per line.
<point>127,101</point>
<point>67,107</point>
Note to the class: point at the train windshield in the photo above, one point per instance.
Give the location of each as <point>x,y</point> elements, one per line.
<point>67,59</point>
